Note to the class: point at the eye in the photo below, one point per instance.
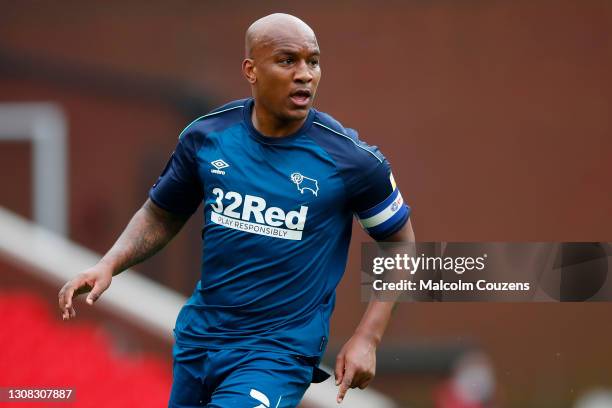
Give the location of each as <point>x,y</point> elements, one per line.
<point>286,61</point>
<point>314,62</point>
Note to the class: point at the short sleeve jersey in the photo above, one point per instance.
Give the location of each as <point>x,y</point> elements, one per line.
<point>277,225</point>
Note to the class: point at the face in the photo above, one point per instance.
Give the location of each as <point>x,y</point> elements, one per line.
<point>284,73</point>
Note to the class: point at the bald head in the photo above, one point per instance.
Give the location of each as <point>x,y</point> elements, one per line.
<point>274,28</point>
<point>282,67</point>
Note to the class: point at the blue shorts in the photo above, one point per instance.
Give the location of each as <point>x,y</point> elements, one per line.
<point>237,378</point>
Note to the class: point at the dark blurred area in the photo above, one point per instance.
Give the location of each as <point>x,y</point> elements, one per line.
<point>495,116</point>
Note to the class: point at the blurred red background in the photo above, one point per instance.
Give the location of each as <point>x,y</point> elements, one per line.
<point>495,117</point>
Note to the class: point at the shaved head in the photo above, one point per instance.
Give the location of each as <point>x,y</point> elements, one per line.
<point>275,27</point>
<point>281,64</point>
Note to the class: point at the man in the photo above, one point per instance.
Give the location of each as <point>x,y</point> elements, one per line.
<point>279,182</point>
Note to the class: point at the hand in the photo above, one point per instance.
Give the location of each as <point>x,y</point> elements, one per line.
<point>94,280</point>
<point>355,364</point>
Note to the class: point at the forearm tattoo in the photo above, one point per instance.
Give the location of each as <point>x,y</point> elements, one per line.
<point>147,232</point>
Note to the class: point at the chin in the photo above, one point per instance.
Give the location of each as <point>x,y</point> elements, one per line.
<point>297,114</point>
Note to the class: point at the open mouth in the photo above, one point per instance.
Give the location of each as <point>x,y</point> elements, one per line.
<point>301,97</point>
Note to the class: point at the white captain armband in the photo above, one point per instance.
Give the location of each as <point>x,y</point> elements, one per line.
<point>385,218</point>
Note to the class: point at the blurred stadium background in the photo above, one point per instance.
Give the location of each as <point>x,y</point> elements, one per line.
<point>494,114</point>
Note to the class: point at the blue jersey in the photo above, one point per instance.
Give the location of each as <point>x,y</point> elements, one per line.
<point>277,225</point>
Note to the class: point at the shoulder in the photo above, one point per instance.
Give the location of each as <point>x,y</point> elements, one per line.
<point>215,120</point>
<point>343,143</point>
<point>365,171</point>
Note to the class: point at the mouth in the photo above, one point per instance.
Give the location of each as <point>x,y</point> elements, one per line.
<point>301,97</point>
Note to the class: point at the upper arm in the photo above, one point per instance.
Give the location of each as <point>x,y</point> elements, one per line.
<point>374,196</point>
<point>404,234</point>
<point>163,215</point>
<point>179,189</point>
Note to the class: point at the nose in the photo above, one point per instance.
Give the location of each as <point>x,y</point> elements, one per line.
<point>303,73</point>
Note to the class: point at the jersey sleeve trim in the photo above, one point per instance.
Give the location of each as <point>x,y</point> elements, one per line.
<point>378,213</point>
<point>165,207</point>
<point>385,218</point>
<point>391,226</point>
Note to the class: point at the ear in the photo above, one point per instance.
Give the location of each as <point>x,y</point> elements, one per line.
<point>249,70</point>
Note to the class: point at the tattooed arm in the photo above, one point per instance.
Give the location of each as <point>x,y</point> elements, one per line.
<point>148,231</point>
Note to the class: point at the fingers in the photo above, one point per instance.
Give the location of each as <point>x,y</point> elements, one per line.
<point>69,313</point>
<point>346,383</point>
<point>95,293</point>
<point>65,300</point>
<point>339,369</point>
<point>68,296</point>
<point>68,309</point>
<point>82,283</point>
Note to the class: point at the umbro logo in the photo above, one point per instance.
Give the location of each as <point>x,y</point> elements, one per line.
<point>218,164</point>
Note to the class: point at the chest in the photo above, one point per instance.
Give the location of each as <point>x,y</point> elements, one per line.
<point>288,186</point>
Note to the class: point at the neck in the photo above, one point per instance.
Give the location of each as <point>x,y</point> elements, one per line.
<point>271,126</point>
